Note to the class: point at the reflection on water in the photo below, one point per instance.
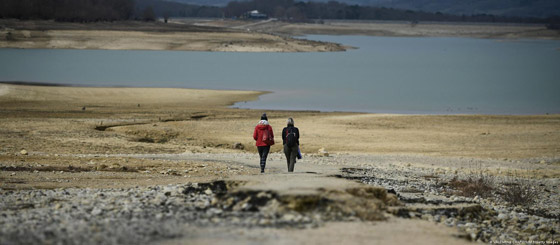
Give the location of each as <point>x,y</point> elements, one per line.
<point>386,74</point>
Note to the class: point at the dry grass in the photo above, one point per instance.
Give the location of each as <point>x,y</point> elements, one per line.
<point>481,185</point>
<point>519,192</point>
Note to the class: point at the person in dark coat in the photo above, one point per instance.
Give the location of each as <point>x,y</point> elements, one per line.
<point>264,136</point>
<point>290,139</point>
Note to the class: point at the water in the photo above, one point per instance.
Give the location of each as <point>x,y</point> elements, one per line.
<point>386,74</point>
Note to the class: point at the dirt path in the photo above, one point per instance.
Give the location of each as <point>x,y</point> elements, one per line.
<point>320,176</point>
<point>392,231</point>
<point>308,180</point>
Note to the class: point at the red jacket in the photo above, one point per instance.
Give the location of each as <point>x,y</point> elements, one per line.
<point>259,131</point>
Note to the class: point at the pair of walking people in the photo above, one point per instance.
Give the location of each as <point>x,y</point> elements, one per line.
<point>264,136</point>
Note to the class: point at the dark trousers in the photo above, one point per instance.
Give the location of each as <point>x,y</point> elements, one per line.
<point>291,154</point>
<point>263,153</point>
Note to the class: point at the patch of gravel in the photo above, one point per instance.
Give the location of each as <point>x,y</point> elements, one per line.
<point>426,193</point>
<point>422,184</point>
<point>145,214</point>
<point>127,216</point>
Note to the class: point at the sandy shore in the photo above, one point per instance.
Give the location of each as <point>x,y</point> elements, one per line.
<point>81,120</point>
<point>200,117</point>
<point>148,36</point>
<point>394,29</point>
<point>143,144</point>
<point>237,36</point>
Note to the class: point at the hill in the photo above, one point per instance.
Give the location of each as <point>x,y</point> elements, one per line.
<point>518,8</point>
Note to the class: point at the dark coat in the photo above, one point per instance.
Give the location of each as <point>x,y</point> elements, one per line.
<point>285,133</point>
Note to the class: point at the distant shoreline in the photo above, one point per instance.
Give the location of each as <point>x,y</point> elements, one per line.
<point>225,35</point>
<point>71,85</point>
<point>238,104</point>
<point>389,28</point>
<point>37,84</point>
<point>134,35</point>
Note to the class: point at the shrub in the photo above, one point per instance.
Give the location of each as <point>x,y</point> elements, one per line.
<point>473,186</point>
<point>520,192</point>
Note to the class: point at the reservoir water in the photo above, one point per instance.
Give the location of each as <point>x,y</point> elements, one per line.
<point>385,74</point>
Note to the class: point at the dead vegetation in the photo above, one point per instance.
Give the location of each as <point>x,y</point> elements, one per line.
<point>519,192</point>
<point>514,190</point>
<point>481,185</point>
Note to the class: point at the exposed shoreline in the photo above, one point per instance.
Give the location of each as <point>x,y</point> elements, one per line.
<point>236,105</point>
<point>130,35</point>
<point>154,159</point>
<point>143,104</point>
<point>238,36</point>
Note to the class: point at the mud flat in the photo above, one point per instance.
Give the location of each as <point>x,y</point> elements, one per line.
<point>398,29</point>
<point>148,36</point>
<point>238,36</point>
<point>143,165</point>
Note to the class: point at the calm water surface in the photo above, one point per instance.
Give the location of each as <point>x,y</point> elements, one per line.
<point>386,74</point>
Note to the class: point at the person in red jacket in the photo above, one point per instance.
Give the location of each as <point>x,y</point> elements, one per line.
<point>265,138</point>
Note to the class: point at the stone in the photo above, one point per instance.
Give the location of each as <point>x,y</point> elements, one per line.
<point>264,222</point>
<point>171,191</point>
<point>503,216</point>
<point>214,211</point>
<point>392,200</point>
<point>289,217</point>
<point>470,225</point>
<point>208,191</point>
<point>246,206</point>
<point>96,211</point>
<point>427,217</point>
<point>159,216</point>
<point>24,152</point>
<point>543,227</point>
<point>159,199</point>
<point>238,146</point>
<point>202,204</point>
<point>322,152</point>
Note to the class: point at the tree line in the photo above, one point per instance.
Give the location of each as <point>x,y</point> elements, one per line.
<point>102,10</point>
<point>302,11</point>
<point>289,10</point>
<point>175,9</point>
<point>68,10</point>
